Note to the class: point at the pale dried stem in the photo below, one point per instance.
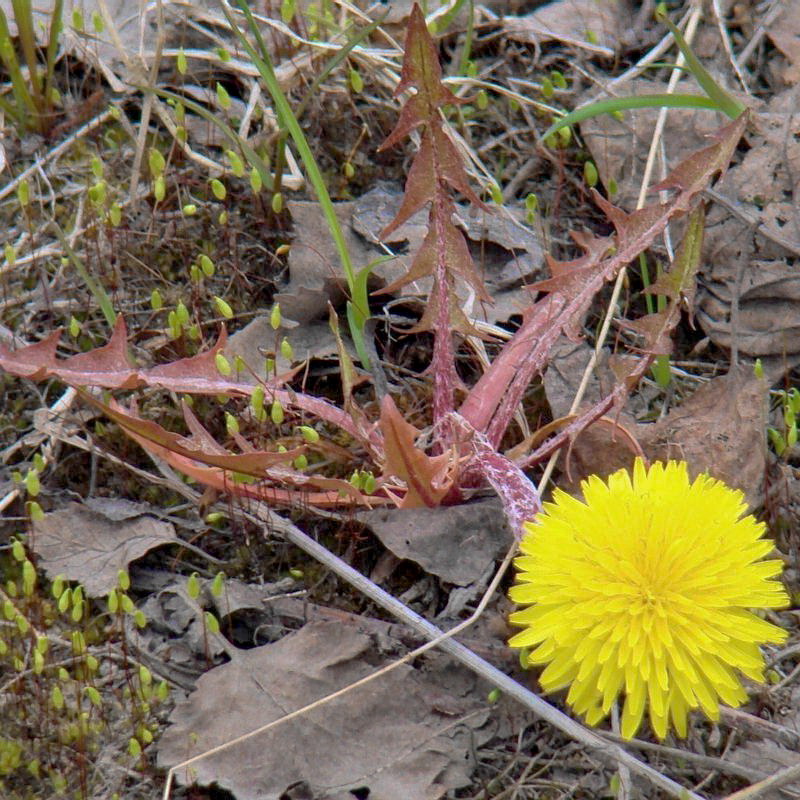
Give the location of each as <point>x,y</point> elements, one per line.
<point>726,43</point>
<point>57,151</point>
<point>767,19</point>
<point>776,781</point>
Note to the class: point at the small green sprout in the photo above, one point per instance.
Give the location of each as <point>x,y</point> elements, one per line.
<point>223,307</point>
<point>356,81</point>
<point>156,162</point>
<point>218,189</point>
<point>231,423</point>
<point>18,550</point>
<point>206,265</point>
<point>237,166</point>
<point>24,193</point>
<point>275,317</point>
<point>309,434</point>
<point>256,183</point>
<point>257,401</point>
<point>590,174</point>
<point>159,188</point>
<point>223,97</point>
<point>288,9</point>
<point>222,364</point>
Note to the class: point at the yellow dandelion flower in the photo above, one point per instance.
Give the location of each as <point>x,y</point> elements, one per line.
<point>645,587</point>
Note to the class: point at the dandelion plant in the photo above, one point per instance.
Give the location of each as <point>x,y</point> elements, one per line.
<point>646,587</point>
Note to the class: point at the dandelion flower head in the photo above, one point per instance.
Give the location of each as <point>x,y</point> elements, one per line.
<point>646,587</point>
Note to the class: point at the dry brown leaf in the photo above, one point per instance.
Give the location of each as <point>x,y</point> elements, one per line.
<point>598,450</point>
<point>176,633</point>
<point>506,251</point>
<point>89,547</point>
<point>572,22</point>
<point>407,735</point>
<point>768,758</point>
<point>316,275</point>
<point>619,148</point>
<point>768,324</point>
<point>784,31</point>
<point>258,339</point>
<point>456,543</point>
<point>740,263</point>
<point>719,430</point>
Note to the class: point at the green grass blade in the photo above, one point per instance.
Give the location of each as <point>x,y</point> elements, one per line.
<point>355,322</point>
<point>12,111</point>
<point>447,19</point>
<point>19,88</point>
<point>56,26</point>
<point>727,104</point>
<point>612,104</point>
<point>288,120</point>
<point>23,16</point>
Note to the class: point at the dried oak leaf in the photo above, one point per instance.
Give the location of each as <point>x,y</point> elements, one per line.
<point>784,31</point>
<point>89,547</point>
<point>456,543</point>
<point>741,264</point>
<point>408,734</point>
<point>619,148</point>
<point>506,250</point>
<point>592,26</point>
<point>316,275</point>
<point>719,429</point>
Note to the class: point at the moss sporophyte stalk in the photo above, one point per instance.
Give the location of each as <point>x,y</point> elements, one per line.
<point>647,588</point>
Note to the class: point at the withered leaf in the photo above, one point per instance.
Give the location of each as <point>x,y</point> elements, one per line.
<point>86,546</point>
<point>427,478</point>
<point>386,738</point>
<point>455,543</point>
